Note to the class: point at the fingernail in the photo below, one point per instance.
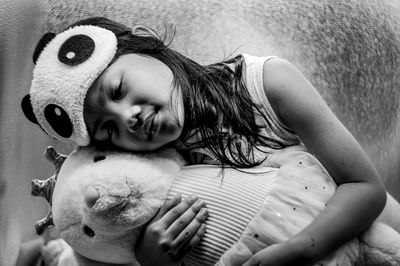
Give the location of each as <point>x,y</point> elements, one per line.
<point>203,212</point>
<point>198,205</point>
<point>193,198</point>
<point>203,228</point>
<point>177,196</point>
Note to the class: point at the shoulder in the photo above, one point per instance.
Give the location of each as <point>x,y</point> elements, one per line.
<point>278,73</point>
<point>282,80</point>
<point>283,83</point>
<point>292,96</point>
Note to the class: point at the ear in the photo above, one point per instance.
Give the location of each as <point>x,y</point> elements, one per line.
<point>143,31</point>
<point>46,38</point>
<point>27,109</point>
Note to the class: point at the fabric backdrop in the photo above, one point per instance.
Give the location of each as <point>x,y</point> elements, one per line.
<point>348,49</point>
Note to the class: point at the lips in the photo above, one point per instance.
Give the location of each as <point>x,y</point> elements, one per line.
<point>150,125</point>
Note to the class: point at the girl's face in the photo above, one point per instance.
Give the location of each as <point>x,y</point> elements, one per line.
<point>133,105</point>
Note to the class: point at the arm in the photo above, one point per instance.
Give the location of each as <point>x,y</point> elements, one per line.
<point>360,196</point>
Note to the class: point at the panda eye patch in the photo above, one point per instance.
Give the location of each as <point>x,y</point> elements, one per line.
<point>76,50</point>
<point>58,120</point>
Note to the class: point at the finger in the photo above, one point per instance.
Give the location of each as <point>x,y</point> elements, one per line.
<point>173,214</point>
<point>193,242</point>
<point>168,205</point>
<point>50,259</point>
<point>54,261</point>
<point>191,214</point>
<point>197,237</point>
<point>47,252</point>
<point>189,231</point>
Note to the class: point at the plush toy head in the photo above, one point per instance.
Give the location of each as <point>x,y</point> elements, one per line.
<point>96,209</point>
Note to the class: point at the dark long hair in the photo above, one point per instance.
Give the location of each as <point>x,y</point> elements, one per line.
<point>218,107</point>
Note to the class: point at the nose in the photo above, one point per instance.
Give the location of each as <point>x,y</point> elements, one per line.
<point>129,116</point>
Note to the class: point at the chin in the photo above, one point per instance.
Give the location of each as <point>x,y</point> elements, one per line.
<point>143,147</point>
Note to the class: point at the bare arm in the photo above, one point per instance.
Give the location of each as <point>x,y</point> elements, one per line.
<point>360,195</point>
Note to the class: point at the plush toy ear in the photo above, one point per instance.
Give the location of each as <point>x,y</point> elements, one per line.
<point>27,109</point>
<point>46,38</point>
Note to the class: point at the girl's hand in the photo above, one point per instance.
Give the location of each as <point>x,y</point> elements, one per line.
<point>52,251</point>
<point>278,255</point>
<point>171,234</point>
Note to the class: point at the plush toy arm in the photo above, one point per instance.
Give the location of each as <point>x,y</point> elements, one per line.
<point>380,245</point>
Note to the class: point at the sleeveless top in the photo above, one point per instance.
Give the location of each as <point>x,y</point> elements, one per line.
<point>253,77</point>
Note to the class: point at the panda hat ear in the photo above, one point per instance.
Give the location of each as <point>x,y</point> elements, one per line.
<point>46,38</point>
<point>27,109</point>
<point>144,31</point>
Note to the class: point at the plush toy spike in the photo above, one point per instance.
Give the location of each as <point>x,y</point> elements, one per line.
<point>44,223</point>
<point>44,188</point>
<point>56,158</point>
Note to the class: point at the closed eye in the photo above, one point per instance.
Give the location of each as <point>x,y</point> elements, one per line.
<point>117,92</point>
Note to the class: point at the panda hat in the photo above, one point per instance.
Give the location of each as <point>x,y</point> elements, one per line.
<point>66,65</point>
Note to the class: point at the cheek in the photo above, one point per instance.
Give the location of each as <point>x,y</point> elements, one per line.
<point>170,131</point>
<point>176,106</point>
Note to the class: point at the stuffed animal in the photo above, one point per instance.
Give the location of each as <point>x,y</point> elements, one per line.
<point>101,200</point>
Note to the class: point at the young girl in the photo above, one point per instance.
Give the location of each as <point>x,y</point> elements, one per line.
<point>120,88</point>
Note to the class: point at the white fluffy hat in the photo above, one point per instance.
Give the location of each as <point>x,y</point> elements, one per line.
<point>65,69</point>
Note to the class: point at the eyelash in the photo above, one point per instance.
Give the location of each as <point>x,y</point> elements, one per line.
<point>116,93</point>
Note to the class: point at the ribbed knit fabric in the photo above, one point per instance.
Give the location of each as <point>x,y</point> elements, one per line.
<point>232,201</point>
